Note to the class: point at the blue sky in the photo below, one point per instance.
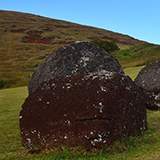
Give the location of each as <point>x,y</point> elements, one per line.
<point>137,18</point>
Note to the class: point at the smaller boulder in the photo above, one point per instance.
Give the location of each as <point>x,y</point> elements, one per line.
<point>148,80</point>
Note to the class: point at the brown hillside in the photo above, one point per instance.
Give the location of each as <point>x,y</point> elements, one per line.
<point>26,39</point>
<point>37,29</point>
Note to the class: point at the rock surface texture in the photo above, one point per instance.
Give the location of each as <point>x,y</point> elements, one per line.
<point>148,80</point>
<point>89,110</point>
<point>78,57</point>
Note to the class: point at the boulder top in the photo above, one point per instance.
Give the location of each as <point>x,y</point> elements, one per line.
<point>80,57</point>
<point>149,77</point>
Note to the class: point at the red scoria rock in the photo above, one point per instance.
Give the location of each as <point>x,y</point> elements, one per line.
<point>91,110</point>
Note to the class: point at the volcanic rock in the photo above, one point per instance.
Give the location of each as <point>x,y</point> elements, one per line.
<point>88,110</point>
<point>78,57</point>
<point>148,80</point>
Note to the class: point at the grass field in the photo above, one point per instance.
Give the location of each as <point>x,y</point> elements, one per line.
<point>146,146</point>
<point>138,55</point>
<point>132,71</point>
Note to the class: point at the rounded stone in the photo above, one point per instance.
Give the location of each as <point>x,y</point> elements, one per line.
<point>148,80</point>
<point>89,110</point>
<point>78,57</point>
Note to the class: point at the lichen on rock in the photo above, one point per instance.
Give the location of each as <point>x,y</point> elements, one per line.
<point>75,58</point>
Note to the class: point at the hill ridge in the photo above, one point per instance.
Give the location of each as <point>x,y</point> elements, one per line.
<point>27,39</point>
<point>106,35</point>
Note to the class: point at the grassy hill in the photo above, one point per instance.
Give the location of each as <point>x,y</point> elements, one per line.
<point>138,55</point>
<point>26,40</point>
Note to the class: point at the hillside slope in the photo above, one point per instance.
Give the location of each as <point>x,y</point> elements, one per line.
<point>138,55</point>
<point>26,39</point>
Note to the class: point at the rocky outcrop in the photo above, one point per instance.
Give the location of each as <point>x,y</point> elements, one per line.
<point>148,80</point>
<point>89,110</point>
<point>78,57</point>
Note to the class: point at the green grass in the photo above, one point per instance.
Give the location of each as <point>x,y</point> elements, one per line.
<point>146,146</point>
<point>138,55</point>
<point>10,105</point>
<point>133,71</point>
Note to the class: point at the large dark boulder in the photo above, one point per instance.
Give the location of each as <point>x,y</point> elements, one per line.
<point>89,110</point>
<point>148,80</point>
<point>78,57</point>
